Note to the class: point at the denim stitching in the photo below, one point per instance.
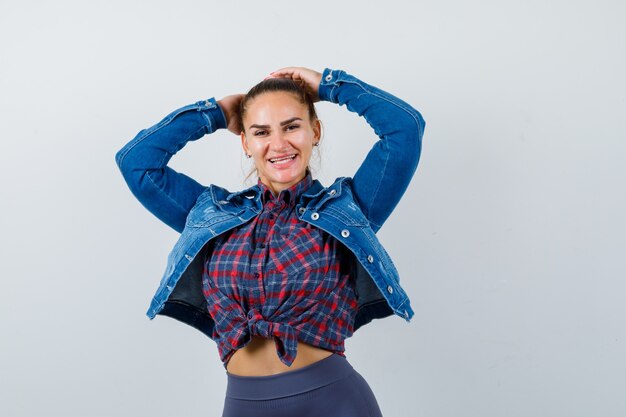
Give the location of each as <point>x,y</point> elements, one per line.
<point>394,101</point>
<point>401,106</point>
<point>164,193</point>
<point>166,120</point>
<point>175,202</point>
<point>209,120</point>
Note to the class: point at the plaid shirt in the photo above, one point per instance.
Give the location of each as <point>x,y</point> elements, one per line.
<point>279,277</point>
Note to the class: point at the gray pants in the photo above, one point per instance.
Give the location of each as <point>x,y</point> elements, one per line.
<point>329,387</point>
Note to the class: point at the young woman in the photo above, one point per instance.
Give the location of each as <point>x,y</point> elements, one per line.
<point>281,273</point>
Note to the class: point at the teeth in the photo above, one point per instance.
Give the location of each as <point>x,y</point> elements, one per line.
<point>282,159</point>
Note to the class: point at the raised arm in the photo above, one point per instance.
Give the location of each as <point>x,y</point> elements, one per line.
<point>166,193</point>
<point>384,175</point>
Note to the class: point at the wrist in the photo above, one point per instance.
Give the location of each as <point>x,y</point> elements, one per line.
<point>220,116</point>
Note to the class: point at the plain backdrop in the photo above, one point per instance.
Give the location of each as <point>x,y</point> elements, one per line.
<point>510,241</point>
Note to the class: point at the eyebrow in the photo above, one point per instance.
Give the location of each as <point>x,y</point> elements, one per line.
<point>286,122</point>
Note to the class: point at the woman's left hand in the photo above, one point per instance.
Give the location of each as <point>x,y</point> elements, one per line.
<point>307,78</point>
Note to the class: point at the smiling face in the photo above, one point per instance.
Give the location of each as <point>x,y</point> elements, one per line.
<point>280,136</point>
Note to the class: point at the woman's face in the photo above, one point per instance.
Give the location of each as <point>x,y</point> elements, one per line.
<point>280,136</point>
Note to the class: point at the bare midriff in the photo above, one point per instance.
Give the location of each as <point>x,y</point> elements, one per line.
<point>259,358</point>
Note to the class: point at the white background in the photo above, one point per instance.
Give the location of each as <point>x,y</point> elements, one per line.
<point>510,240</point>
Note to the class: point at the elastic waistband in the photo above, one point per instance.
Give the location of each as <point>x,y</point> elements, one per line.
<point>266,387</point>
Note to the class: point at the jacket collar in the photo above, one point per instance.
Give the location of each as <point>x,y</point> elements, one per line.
<point>290,195</point>
<point>315,190</point>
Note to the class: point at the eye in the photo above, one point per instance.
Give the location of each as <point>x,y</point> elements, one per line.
<point>260,132</point>
<point>292,127</point>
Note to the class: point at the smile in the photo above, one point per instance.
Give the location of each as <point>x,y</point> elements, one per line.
<point>282,160</point>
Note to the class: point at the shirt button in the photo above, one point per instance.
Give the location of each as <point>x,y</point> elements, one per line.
<point>329,77</point>
<point>370,259</point>
<point>301,210</point>
<point>250,314</point>
<point>333,192</point>
<point>256,275</point>
<point>389,289</point>
<point>315,216</point>
<point>345,233</point>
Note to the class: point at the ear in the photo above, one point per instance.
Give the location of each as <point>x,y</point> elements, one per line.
<point>317,130</point>
<point>244,145</point>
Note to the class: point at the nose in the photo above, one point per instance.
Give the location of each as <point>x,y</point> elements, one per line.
<point>279,141</point>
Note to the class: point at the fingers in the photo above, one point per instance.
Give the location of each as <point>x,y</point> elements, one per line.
<point>284,74</point>
<point>295,73</point>
<point>307,78</point>
<point>287,72</point>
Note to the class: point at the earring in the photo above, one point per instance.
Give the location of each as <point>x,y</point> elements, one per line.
<point>316,144</point>
<point>248,156</point>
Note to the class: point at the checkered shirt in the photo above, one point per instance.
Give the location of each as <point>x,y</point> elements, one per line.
<point>278,277</point>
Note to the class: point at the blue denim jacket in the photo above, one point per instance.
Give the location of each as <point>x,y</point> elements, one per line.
<point>352,209</point>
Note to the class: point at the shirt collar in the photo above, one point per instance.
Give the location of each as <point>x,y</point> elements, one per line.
<point>289,195</point>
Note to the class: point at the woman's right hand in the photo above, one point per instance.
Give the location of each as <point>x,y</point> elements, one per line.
<point>230,107</point>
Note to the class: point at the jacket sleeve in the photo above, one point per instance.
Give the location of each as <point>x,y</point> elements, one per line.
<point>384,175</point>
<point>166,193</point>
